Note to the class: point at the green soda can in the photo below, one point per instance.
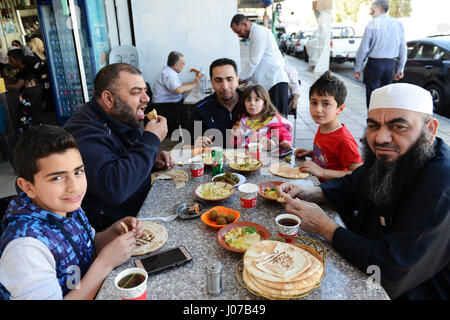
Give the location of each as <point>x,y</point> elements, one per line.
<point>217,155</point>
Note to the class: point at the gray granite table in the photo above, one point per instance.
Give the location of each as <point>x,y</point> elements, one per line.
<point>188,281</point>
<point>196,94</point>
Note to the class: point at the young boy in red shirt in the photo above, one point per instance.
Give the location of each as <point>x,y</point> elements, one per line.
<point>335,151</point>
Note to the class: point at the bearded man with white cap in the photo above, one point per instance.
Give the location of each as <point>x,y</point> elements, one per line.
<point>396,206</point>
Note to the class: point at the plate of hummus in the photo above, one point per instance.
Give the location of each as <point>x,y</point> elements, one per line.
<point>241,235</point>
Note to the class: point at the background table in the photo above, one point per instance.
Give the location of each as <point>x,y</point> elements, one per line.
<point>188,281</point>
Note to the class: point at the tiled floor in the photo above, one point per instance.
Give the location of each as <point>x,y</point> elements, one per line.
<point>354,117</point>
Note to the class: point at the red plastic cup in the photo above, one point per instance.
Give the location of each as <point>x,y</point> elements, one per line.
<point>197,169</point>
<point>135,293</point>
<point>248,194</point>
<point>248,203</point>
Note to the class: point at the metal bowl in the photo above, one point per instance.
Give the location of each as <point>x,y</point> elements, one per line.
<point>183,210</point>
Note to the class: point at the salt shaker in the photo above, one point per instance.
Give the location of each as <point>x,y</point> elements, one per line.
<point>214,277</point>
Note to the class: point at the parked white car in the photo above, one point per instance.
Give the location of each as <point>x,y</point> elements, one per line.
<point>343,44</point>
<point>295,44</point>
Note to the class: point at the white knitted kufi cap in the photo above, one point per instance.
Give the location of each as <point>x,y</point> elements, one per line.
<point>404,96</point>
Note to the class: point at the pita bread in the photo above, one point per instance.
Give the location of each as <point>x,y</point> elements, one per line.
<point>173,174</point>
<point>271,293</point>
<point>124,226</point>
<point>276,261</point>
<point>179,184</point>
<point>152,115</point>
<point>310,277</point>
<point>152,238</point>
<point>287,172</point>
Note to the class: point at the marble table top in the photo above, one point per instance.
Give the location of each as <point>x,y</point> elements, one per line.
<point>188,281</point>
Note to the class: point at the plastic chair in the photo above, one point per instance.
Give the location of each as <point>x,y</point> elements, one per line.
<point>293,112</point>
<point>124,54</point>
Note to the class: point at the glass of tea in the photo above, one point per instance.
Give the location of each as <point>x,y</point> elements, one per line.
<point>131,284</point>
<point>288,225</point>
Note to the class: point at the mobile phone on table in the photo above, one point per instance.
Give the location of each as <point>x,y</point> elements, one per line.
<point>164,259</point>
<point>285,152</point>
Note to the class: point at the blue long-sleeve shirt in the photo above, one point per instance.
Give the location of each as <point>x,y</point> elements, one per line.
<point>384,38</point>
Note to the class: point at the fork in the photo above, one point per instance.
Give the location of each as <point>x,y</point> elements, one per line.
<point>165,219</point>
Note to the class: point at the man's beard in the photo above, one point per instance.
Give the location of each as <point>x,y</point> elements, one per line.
<point>124,113</point>
<point>386,181</point>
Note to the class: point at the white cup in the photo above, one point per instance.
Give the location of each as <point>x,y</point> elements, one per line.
<point>248,195</point>
<point>288,230</point>
<point>135,293</point>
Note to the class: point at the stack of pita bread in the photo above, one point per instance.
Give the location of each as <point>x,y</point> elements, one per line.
<point>279,270</point>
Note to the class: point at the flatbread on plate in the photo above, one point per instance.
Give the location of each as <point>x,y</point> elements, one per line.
<point>271,293</point>
<point>287,172</point>
<point>152,238</point>
<point>310,277</point>
<point>276,261</point>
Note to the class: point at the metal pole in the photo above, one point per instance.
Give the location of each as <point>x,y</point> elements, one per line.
<point>76,35</point>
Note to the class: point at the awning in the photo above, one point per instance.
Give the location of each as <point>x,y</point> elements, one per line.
<point>252,3</point>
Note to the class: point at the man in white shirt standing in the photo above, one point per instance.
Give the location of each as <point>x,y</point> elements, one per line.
<point>168,90</point>
<point>384,46</point>
<point>266,63</point>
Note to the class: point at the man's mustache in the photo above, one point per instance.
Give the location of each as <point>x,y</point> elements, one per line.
<point>386,145</point>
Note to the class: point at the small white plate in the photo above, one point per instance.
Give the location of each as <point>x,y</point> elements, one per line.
<point>240,176</point>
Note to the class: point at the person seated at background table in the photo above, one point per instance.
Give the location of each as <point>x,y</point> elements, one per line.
<point>168,87</point>
<point>24,65</point>
<point>26,51</point>
<point>118,154</point>
<point>294,87</point>
<point>396,206</point>
<point>36,45</point>
<point>48,249</point>
<point>335,151</point>
<point>168,90</point>
<point>260,122</point>
<point>217,113</point>
<point>30,102</point>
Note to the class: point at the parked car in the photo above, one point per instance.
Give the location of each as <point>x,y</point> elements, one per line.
<point>428,65</point>
<point>343,44</point>
<point>282,42</point>
<point>295,44</point>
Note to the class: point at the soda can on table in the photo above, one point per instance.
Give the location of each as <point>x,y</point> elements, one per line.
<point>217,155</point>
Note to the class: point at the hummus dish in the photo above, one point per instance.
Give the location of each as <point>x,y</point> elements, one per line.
<point>242,238</point>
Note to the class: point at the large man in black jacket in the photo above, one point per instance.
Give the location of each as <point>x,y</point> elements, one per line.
<point>118,155</point>
<point>397,204</point>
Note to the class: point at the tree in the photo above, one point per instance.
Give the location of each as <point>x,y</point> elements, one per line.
<point>400,8</point>
<point>347,10</point>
